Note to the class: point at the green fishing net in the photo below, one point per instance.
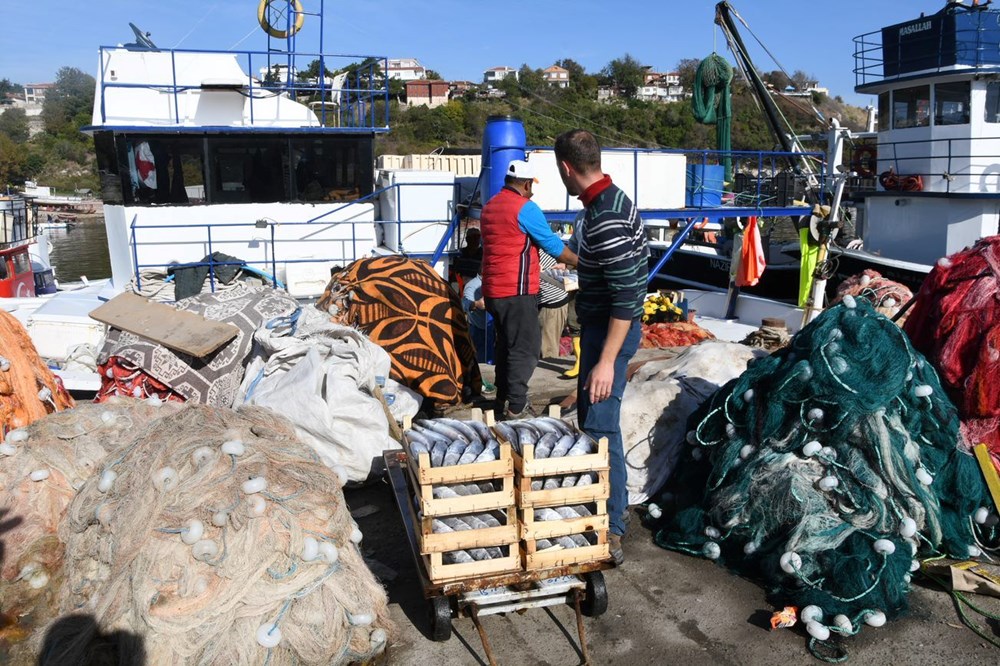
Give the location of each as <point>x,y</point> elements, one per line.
<point>827,469</point>
<point>712,103</point>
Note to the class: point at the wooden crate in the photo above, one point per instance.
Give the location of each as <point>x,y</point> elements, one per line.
<point>533,530</point>
<point>528,498</point>
<point>426,479</point>
<point>438,571</point>
<point>560,557</point>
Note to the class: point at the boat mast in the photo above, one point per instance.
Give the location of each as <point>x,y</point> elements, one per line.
<point>724,18</point>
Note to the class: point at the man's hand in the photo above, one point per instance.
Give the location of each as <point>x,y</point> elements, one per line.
<point>600,380</point>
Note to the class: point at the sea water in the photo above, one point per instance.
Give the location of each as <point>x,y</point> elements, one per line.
<point>81,250</point>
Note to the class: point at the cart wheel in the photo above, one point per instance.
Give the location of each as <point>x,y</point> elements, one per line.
<point>440,616</point>
<point>596,601</point>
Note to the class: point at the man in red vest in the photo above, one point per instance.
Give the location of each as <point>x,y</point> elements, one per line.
<point>513,228</point>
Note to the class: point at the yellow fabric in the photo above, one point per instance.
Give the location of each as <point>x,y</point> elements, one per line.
<point>807,265</point>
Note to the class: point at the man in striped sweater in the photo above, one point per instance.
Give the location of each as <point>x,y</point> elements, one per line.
<point>610,241</point>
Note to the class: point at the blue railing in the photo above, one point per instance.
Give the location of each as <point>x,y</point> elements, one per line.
<point>355,99</point>
<point>269,267</point>
<point>957,38</point>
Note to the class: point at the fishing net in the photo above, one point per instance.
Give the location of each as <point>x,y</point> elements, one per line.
<point>712,103</point>
<point>213,535</point>
<point>51,460</point>
<point>956,323</point>
<point>885,295</point>
<point>826,468</point>
<point>28,390</point>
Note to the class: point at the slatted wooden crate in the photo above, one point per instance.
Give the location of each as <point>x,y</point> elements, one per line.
<point>594,527</point>
<point>424,479</point>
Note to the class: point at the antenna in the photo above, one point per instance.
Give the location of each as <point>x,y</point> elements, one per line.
<point>142,39</point>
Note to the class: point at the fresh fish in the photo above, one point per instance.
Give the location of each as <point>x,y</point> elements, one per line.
<point>508,434</point>
<point>587,479</point>
<point>413,436</point>
<point>455,524</point>
<point>437,453</point>
<point>567,542</point>
<point>490,520</point>
<point>561,447</point>
<point>494,552</point>
<point>547,514</point>
<point>567,512</point>
<point>582,510</point>
<point>579,540</point>
<point>560,425</point>
<point>475,522</point>
<point>417,447</point>
<point>526,436</point>
<point>552,482</point>
<point>462,427</point>
<point>473,489</point>
<point>438,526</point>
<point>545,426</point>
<point>479,554</point>
<point>570,480</point>
<point>457,557</point>
<point>486,487</point>
<point>587,442</point>
<point>482,430</point>
<point>487,455</point>
<point>454,452</point>
<point>536,484</point>
<point>443,429</point>
<point>543,544</point>
<point>471,453</point>
<point>545,443</point>
<point>446,492</point>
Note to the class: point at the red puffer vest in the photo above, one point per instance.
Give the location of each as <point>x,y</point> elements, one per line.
<point>510,259</point>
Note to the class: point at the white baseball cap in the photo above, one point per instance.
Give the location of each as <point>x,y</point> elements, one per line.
<point>522,170</point>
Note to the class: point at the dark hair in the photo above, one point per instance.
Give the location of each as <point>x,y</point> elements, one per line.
<point>580,149</point>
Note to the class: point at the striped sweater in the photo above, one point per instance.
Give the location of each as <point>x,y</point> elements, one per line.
<point>610,240</point>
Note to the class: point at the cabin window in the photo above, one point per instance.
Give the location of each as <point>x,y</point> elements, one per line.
<point>911,107</point>
<point>993,102</point>
<point>883,112</point>
<point>22,264</point>
<point>331,169</point>
<point>165,170</point>
<point>4,273</point>
<point>951,103</point>
<point>107,167</point>
<point>248,172</point>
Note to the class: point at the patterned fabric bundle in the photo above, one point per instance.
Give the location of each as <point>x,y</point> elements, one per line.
<point>404,306</point>
<point>826,468</point>
<point>135,367</point>
<point>956,324</point>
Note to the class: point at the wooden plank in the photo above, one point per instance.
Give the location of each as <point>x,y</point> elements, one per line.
<point>181,331</point>
<point>989,472</point>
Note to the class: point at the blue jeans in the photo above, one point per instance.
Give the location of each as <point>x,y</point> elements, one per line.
<point>602,419</point>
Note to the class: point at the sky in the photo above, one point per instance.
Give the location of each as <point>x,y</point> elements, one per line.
<point>461,38</point>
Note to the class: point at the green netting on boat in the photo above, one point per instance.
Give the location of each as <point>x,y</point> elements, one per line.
<point>712,103</point>
<point>827,468</point>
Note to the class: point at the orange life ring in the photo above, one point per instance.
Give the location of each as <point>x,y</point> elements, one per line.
<point>865,160</point>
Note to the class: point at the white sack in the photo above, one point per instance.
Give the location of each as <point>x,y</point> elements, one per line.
<point>321,378</point>
<point>658,401</point>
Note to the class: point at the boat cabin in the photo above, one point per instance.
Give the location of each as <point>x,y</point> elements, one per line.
<point>937,78</point>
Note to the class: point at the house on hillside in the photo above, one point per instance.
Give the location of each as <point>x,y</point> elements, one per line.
<point>459,88</point>
<point>426,93</point>
<point>405,69</point>
<point>556,76</point>
<point>34,93</point>
<point>660,87</point>
<point>495,75</point>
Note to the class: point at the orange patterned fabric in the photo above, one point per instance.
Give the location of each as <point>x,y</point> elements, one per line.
<point>411,312</point>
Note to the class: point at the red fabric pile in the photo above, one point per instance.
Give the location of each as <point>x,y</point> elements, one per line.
<point>672,334</point>
<point>955,323</point>
<point>884,294</point>
<point>122,379</point>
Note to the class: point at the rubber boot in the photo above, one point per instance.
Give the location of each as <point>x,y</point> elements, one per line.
<point>575,370</point>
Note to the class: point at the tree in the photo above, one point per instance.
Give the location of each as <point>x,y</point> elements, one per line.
<point>432,75</point>
<point>687,68</point>
<point>777,78</point>
<point>11,161</point>
<point>71,98</point>
<point>801,80</point>
<point>14,123</point>
<point>7,87</point>
<point>531,80</point>
<point>626,74</point>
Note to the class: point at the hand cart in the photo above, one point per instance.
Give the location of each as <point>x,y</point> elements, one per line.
<point>581,585</point>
